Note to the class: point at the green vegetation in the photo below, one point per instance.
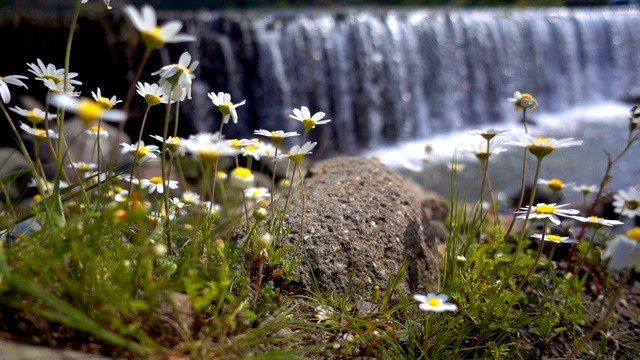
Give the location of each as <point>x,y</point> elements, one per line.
<point>116,262</point>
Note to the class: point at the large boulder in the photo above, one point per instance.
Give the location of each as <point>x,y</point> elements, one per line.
<point>362,219</point>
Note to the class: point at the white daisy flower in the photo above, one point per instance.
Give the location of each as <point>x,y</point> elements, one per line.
<point>554,184</point>
<point>38,134</point>
<point>256,193</point>
<point>276,136</point>
<point>83,166</point>
<point>304,116</point>
<point>296,153</point>
<point>178,203</point>
<point>627,203</point>
<point>174,143</point>
<point>154,36</point>
<point>58,88</point>
<point>97,132</point>
<point>557,239</point>
<point>241,178</point>
<point>264,240</point>
<point>49,71</point>
<point>206,149</point>
<point>240,143</point>
<point>180,74</point>
<point>153,94</point>
<point>598,222</point>
<point>542,146</point>
<point>190,198</point>
<point>251,150</point>
<point>456,166</point>
<point>88,110</point>
<point>35,115</point>
<point>623,251</point>
<point>547,211</point>
<point>210,208</point>
<point>585,189</point>
<point>155,184</point>
<point>5,95</point>
<point>47,185</point>
<point>106,103</point>
<point>266,149</point>
<point>486,134</point>
<point>140,150</point>
<point>227,108</point>
<point>433,302</point>
<point>523,101</point>
<point>479,149</point>
<point>221,175</point>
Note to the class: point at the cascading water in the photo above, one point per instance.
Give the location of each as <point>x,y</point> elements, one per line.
<point>396,75</point>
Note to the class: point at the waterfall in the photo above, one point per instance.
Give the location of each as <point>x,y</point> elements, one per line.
<point>389,76</point>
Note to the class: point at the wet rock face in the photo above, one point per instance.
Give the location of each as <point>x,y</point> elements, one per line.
<point>361,220</point>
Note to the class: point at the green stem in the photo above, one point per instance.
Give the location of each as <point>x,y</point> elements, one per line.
<point>524,224</point>
<point>535,262</point>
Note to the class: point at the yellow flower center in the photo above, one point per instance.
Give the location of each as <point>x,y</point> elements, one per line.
<point>527,96</point>
<point>545,209</point>
<point>96,129</point>
<point>540,151</point>
<point>631,204</point>
<point>250,148</point>
<point>142,151</point>
<point>634,233</point>
<point>542,139</point>
<point>434,301</point>
<point>181,70</point>
<point>296,158</point>
<point>208,154</point>
<point>243,172</point>
<point>482,155</point>
<point>554,238</point>
<point>152,39</point>
<point>152,99</point>
<point>33,117</point>
<point>56,79</point>
<point>89,110</point>
<point>156,180</point>
<point>555,184</point>
<point>594,218</point>
<point>40,134</point>
<point>105,103</point>
<point>221,174</point>
<point>235,143</point>
<point>225,108</point>
<point>308,124</point>
<point>255,193</point>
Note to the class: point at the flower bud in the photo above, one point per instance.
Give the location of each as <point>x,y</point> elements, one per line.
<point>260,214</point>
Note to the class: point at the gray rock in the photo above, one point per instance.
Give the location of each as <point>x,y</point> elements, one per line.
<point>15,351</point>
<point>361,220</point>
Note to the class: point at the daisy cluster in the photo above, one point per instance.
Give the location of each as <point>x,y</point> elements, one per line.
<point>622,252</point>
<point>144,195</point>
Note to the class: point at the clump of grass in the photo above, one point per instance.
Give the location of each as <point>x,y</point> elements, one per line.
<point>94,257</point>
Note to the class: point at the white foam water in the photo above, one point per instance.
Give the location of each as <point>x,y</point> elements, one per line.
<point>601,127</point>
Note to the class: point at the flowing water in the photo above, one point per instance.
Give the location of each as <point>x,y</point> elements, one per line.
<point>394,79</point>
